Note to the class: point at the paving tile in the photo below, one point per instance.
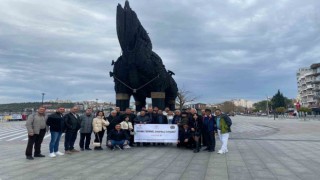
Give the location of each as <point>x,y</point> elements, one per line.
<point>274,154</point>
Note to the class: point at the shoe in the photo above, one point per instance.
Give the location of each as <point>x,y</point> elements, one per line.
<point>81,149</point>
<point>206,149</point>
<point>59,153</point>
<point>211,150</point>
<point>52,155</point>
<point>120,148</point>
<point>74,150</point>
<point>68,152</point>
<point>220,152</point>
<point>126,147</point>
<point>30,158</point>
<point>39,155</point>
<point>100,148</point>
<point>88,149</point>
<point>196,150</point>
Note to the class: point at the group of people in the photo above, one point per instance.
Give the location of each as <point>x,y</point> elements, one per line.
<point>195,130</point>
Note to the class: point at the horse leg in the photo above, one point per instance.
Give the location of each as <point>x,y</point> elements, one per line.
<point>158,99</point>
<point>170,102</point>
<point>140,102</point>
<point>123,101</point>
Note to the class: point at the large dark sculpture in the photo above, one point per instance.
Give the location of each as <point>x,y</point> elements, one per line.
<point>139,71</point>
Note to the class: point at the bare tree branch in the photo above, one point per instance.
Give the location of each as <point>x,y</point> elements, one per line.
<point>184,97</point>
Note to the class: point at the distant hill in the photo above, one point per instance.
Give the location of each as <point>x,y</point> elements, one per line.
<point>21,107</point>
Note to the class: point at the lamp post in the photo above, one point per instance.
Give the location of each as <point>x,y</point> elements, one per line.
<point>247,112</point>
<point>42,98</point>
<point>97,104</point>
<point>268,106</point>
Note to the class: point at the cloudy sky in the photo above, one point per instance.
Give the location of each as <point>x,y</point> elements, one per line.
<point>219,50</point>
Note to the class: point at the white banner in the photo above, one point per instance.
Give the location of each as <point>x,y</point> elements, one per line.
<point>160,133</point>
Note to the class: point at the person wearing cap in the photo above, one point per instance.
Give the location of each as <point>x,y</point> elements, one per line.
<point>209,128</point>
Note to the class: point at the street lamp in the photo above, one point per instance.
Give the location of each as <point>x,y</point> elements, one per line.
<point>97,104</point>
<point>42,98</point>
<point>268,106</point>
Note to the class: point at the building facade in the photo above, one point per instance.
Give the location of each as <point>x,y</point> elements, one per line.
<point>243,103</point>
<point>308,81</point>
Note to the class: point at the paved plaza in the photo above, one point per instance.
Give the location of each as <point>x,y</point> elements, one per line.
<point>259,148</point>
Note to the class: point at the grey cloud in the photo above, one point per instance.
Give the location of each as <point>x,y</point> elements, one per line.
<point>219,49</point>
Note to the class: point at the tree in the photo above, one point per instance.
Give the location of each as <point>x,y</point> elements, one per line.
<point>289,102</point>
<point>278,100</point>
<point>260,106</point>
<point>281,110</point>
<point>227,107</point>
<point>184,97</point>
<point>304,110</point>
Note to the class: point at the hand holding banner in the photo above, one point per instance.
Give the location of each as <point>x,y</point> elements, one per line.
<point>160,133</point>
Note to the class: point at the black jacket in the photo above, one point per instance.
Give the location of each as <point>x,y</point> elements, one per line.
<point>56,122</point>
<point>160,119</point>
<point>72,123</point>
<point>118,135</point>
<point>196,124</point>
<point>143,119</point>
<point>176,119</point>
<point>113,122</point>
<point>184,135</point>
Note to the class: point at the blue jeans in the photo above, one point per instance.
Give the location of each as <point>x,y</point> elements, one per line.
<point>54,143</point>
<point>120,143</point>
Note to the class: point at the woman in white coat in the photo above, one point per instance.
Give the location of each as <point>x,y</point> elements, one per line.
<point>99,125</point>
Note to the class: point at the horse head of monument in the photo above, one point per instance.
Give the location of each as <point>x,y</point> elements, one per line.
<point>131,33</point>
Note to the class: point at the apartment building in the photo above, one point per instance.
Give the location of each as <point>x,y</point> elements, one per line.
<point>308,81</point>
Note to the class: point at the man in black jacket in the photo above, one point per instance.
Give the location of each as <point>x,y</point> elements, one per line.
<point>160,119</point>
<point>184,137</point>
<point>56,123</point>
<point>72,123</point>
<point>117,137</point>
<point>113,119</point>
<point>142,118</point>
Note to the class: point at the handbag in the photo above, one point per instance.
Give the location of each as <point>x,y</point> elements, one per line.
<point>96,144</point>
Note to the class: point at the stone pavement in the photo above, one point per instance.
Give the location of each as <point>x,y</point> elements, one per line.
<point>259,148</point>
